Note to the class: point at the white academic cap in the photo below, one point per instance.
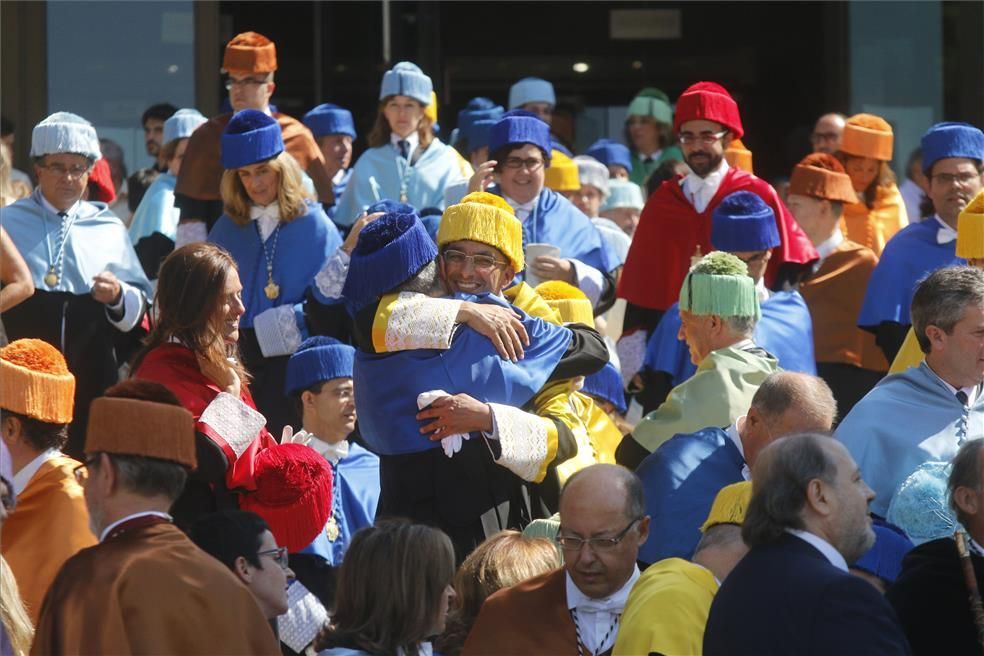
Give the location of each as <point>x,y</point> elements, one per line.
<point>531,89</point>
<point>181,124</point>
<point>623,194</point>
<point>64,132</point>
<point>592,172</point>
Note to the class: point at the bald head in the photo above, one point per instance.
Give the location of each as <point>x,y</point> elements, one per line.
<point>612,488</point>
<point>827,132</point>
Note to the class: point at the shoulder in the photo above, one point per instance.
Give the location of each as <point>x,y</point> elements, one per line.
<point>674,576</point>
<point>703,441</point>
<point>912,234</point>
<point>530,594</point>
<point>373,157</point>
<point>360,456</point>
<point>849,250</point>
<point>210,129</point>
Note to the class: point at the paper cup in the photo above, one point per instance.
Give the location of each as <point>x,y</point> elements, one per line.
<point>534,251</point>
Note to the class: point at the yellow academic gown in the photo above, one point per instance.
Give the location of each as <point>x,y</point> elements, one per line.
<point>910,355</point>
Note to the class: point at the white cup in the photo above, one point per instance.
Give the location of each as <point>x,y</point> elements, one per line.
<point>534,251</point>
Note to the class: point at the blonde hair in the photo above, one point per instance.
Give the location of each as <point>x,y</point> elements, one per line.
<point>10,190</point>
<point>380,133</point>
<point>291,196</point>
<point>12,613</point>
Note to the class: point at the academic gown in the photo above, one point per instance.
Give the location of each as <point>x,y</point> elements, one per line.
<point>379,174</point>
<point>150,590</point>
<point>908,419</point>
<point>911,254</point>
<point>642,170</point>
<point>50,525</point>
<point>681,479</point>
<point>65,315</point>
<point>339,189</point>
<point>298,252</point>
<point>155,224</point>
<point>873,226</point>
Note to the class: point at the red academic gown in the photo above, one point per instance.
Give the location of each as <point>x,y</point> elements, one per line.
<point>670,229</point>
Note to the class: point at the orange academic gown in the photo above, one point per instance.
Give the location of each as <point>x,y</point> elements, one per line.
<point>49,525</point>
<point>873,227</point>
<point>150,590</point>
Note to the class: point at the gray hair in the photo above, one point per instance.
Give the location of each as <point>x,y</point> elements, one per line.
<point>781,476</point>
<point>150,477</point>
<point>809,395</point>
<point>720,535</point>
<point>740,326</point>
<point>965,472</point>
<point>627,480</point>
<point>425,281</point>
<point>942,298</point>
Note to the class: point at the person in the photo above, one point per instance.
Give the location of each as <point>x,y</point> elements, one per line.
<point>744,226</point>
<point>155,221</point>
<point>931,593</point>
<point>153,120</point>
<point>520,149</point>
<point>593,194</point>
<point>534,95</point>
<point>250,62</point>
<point>878,213</point>
<point>827,133</point>
<point>913,188</point>
<point>649,130</point>
<point>20,181</point>
<point>16,629</point>
<point>394,591</point>
<point>953,161</point>
<point>847,357</point>
<point>925,413</point>
<point>477,109</point>
<point>279,240</point>
<point>738,156</point>
<point>504,560</point>
<point>677,219</point>
<point>146,586</point>
<point>718,313</point>
<point>51,523</point>
<point>667,608</point>
<point>334,129</point>
<point>90,290</point>
<point>682,476</point>
<point>114,157</point>
<point>604,387</point>
<point>319,381</point>
<point>405,161</point>
<point>614,155</point>
<point>575,609</point>
<point>808,518</point>
<point>17,285</point>
<point>562,175</point>
<point>11,188</point>
<point>192,351</point>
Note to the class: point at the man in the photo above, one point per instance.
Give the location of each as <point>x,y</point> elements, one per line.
<point>953,161</point>
<point>153,126</point>
<point>90,288</point>
<point>792,593</point>
<point>250,61</point>
<point>575,609</point>
<point>145,588</point>
<point>826,137</point>
<point>744,226</point>
<point>51,523</point>
<point>931,596</point>
<point>534,95</point>
<point>667,609</point>
<point>682,476</point>
<point>847,357</point>
<point>677,219</point>
<point>925,413</point>
<point>334,130</point>
<point>913,188</point>
<point>718,313</point>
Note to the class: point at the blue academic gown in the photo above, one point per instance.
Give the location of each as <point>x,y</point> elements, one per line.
<point>908,256</point>
<point>436,168</point>
<point>908,419</point>
<point>339,190</point>
<point>156,212</point>
<point>680,480</point>
<point>785,330</point>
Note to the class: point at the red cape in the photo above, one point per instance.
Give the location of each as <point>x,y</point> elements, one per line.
<point>670,229</point>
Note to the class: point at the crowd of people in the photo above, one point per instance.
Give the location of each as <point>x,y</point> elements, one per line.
<point>487,396</point>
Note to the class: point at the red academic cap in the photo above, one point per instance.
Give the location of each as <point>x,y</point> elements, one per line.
<point>708,101</point>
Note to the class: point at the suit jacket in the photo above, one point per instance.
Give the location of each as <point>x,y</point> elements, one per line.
<point>786,598</point>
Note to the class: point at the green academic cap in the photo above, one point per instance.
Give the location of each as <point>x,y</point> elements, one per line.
<point>719,284</point>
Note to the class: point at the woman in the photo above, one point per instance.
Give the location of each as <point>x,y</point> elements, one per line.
<point>155,222</point>
<point>866,150</point>
<point>192,350</point>
<point>279,240</point>
<point>393,593</point>
<point>405,161</point>
<point>649,131</point>
<point>502,561</point>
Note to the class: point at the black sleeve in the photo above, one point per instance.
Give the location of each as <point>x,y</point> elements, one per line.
<point>637,317</point>
<point>151,251</point>
<point>607,298</point>
<point>194,209</point>
<point>656,387</point>
<point>889,337</point>
<point>587,354</point>
<point>791,274</point>
<point>330,319</point>
<point>630,453</point>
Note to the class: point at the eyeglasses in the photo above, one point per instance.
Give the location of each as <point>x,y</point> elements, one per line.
<point>245,82</point>
<point>81,472</point>
<point>706,138</point>
<point>278,555</point>
<point>963,179</point>
<point>480,262</point>
<point>531,164</point>
<point>758,257</point>
<point>825,136</point>
<point>63,171</point>
<point>597,545</point>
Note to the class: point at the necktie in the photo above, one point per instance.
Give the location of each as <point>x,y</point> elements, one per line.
<point>63,214</point>
<point>961,396</point>
<point>404,148</point>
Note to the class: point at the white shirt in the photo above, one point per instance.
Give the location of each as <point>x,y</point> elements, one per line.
<point>821,545</point>
<point>523,210</point>
<point>106,531</point>
<point>946,233</point>
<point>971,391</point>
<point>734,432</point>
<point>829,245</point>
<point>413,139</point>
<point>267,217</point>
<point>761,291</point>
<point>27,472</point>
<point>331,452</point>
<point>653,156</point>
<point>699,191</point>
<point>595,616</point>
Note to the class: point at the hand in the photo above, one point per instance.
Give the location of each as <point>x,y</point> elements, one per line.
<point>695,258</point>
<point>106,288</point>
<point>353,236</point>
<point>548,267</point>
<point>455,414</point>
<point>223,376</point>
<point>501,325</point>
<point>288,436</point>
<point>484,176</point>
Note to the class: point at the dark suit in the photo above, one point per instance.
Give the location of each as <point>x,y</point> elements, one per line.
<point>786,598</point>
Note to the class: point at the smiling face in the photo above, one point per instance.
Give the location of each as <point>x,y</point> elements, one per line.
<point>231,307</point>
<point>261,182</point>
<point>403,115</point>
<point>469,278</point>
<point>521,184</point>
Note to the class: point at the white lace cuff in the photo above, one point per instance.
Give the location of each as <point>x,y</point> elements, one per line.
<point>524,440</point>
<point>331,279</point>
<point>132,302</point>
<point>415,321</point>
<point>631,352</point>
<point>280,330</point>
<point>589,280</point>
<point>233,421</point>
<point>304,619</point>
<point>189,233</point>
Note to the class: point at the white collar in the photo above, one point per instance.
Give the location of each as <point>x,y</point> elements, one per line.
<point>761,291</point>
<point>523,210</point>
<point>413,139</point>
<point>267,218</point>
<point>27,472</point>
<point>734,432</point>
<point>712,179</point>
<point>613,603</point>
<point>339,176</point>
<point>830,244</point>
<point>742,345</point>
<point>821,545</point>
<point>650,156</point>
<point>332,452</point>
<point>946,233</point>
<point>51,208</point>
<point>106,531</point>
<point>971,391</point>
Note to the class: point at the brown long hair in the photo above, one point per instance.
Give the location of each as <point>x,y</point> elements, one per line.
<point>885,178</point>
<point>291,196</point>
<point>189,294</point>
<point>380,133</point>
<point>390,588</point>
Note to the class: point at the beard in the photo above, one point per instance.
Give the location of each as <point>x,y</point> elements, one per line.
<point>701,166</point>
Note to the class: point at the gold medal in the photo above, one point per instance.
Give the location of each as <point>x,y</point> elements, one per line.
<point>272,290</point>
<point>331,529</point>
<point>51,278</point>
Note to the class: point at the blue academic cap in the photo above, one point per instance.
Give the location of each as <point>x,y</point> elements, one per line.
<point>316,360</point>
<point>251,136</point>
<point>330,119</point>
<point>743,223</point>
